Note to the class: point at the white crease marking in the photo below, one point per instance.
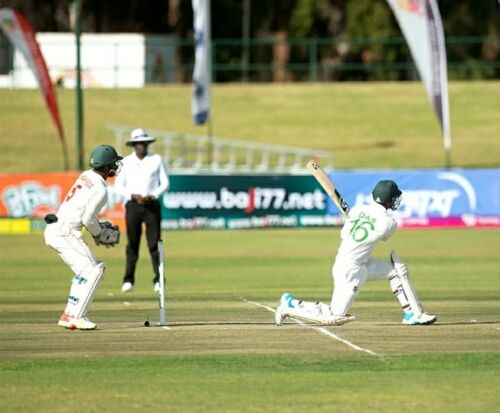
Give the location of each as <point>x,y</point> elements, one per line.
<point>322,330</point>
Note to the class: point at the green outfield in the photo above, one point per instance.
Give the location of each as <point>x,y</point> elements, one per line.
<point>365,125</point>
<point>223,353</point>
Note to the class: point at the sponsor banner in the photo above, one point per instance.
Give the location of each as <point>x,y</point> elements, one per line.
<point>193,201</point>
<point>244,202</point>
<point>15,225</point>
<point>35,195</point>
<point>265,221</point>
<point>431,198</point>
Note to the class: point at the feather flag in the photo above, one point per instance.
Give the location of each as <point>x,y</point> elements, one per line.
<point>21,35</point>
<point>422,27</point>
<point>202,76</point>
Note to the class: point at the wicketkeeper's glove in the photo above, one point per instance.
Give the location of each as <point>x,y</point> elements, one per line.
<point>109,235</point>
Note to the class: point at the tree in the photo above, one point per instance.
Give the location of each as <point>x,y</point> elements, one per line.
<point>352,33</point>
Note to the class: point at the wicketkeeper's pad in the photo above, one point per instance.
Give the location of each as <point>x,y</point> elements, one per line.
<point>83,289</point>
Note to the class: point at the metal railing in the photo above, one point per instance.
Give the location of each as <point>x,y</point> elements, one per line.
<point>202,154</point>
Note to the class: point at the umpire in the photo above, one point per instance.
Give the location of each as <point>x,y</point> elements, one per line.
<point>141,182</point>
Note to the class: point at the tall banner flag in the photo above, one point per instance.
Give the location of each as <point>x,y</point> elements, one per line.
<point>202,76</point>
<point>421,25</point>
<point>20,34</point>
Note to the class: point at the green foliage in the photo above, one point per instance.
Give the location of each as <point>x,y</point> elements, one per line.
<point>369,19</point>
<point>302,18</point>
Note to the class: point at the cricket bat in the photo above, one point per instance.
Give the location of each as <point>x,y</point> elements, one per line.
<point>328,186</point>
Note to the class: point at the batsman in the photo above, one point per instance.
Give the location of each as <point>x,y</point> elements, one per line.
<point>80,208</point>
<point>364,226</point>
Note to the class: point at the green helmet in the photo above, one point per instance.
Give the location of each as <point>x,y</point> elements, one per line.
<point>387,192</point>
<point>103,155</point>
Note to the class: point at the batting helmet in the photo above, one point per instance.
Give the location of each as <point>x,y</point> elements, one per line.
<point>387,192</point>
<point>103,155</point>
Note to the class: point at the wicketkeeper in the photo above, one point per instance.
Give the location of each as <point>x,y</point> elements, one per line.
<point>365,225</point>
<point>80,208</point>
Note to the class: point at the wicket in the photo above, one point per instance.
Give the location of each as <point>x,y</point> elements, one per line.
<point>161,293</point>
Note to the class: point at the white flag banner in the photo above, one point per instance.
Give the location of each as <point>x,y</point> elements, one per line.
<point>202,75</point>
<point>421,25</point>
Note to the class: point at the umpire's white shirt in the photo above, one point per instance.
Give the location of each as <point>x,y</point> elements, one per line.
<point>84,202</point>
<point>364,227</point>
<point>145,177</point>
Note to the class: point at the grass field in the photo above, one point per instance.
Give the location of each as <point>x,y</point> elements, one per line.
<point>365,125</point>
<point>223,353</point>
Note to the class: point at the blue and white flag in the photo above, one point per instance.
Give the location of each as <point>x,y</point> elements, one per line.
<point>202,75</point>
<point>421,25</point>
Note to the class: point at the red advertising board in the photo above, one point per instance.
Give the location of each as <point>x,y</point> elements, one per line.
<point>35,195</point>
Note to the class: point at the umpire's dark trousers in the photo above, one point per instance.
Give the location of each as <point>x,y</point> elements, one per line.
<point>135,215</point>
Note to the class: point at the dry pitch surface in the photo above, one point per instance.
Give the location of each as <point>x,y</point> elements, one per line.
<point>246,327</point>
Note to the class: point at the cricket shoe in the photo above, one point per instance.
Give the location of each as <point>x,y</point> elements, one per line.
<point>127,287</point>
<point>64,321</point>
<point>156,287</point>
<point>281,311</point>
<point>71,323</point>
<point>425,319</point>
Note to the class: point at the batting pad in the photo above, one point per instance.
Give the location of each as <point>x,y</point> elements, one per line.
<point>83,289</point>
<point>317,312</point>
<point>404,278</point>
<point>398,290</point>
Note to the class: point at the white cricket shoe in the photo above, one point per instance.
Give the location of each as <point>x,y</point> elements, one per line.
<point>281,311</point>
<point>127,287</point>
<point>410,319</point>
<point>156,287</point>
<point>84,324</point>
<point>71,323</point>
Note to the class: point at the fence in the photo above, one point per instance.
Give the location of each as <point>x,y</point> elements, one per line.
<point>170,59</point>
<point>319,59</point>
<point>196,154</point>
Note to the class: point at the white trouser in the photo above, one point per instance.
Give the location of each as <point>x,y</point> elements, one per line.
<point>349,277</point>
<point>75,252</point>
<point>70,246</point>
